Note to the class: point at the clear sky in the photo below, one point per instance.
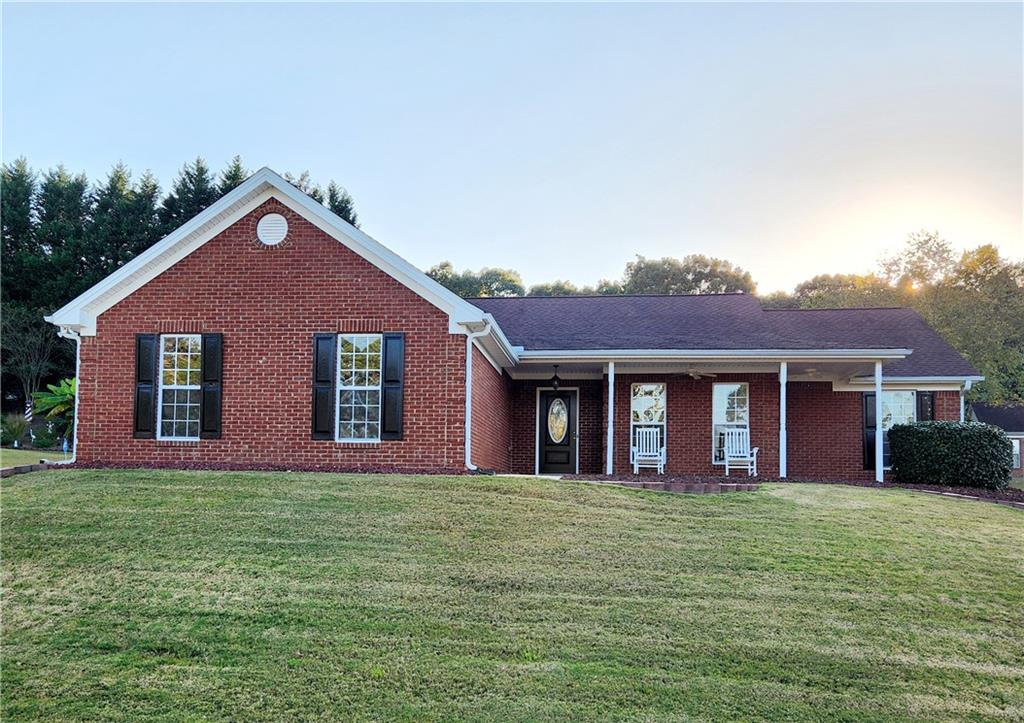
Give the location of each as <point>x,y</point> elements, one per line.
<point>560,140</point>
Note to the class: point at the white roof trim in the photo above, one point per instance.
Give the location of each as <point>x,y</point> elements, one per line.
<point>80,313</point>
<point>690,354</point>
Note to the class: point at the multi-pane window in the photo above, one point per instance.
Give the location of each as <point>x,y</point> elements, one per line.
<point>1016,453</point>
<point>181,363</point>
<point>647,409</point>
<point>730,409</point>
<point>898,407</point>
<point>359,374</point>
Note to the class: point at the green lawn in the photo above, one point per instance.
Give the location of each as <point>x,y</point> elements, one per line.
<point>14,457</point>
<point>132,595</point>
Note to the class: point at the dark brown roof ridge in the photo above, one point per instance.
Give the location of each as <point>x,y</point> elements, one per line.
<point>606,296</point>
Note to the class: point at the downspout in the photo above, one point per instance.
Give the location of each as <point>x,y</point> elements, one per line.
<point>470,337</point>
<point>963,391</point>
<point>68,333</point>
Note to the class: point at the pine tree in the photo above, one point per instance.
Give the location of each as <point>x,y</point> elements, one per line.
<point>232,176</point>
<point>59,270</point>
<point>341,203</point>
<point>192,192</point>
<point>124,222</point>
<point>17,189</point>
<point>305,184</point>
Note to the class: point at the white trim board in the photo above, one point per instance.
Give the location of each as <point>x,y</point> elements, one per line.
<point>789,355</point>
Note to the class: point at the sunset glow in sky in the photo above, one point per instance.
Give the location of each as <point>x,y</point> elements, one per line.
<point>559,140</point>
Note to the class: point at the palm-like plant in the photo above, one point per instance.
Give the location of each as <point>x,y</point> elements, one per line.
<point>58,403</point>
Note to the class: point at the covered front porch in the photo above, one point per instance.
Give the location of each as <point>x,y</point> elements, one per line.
<point>804,412</point>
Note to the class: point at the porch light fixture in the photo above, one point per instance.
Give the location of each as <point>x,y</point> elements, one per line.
<point>555,381</point>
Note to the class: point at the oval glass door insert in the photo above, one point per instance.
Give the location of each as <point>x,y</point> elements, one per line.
<point>558,421</point>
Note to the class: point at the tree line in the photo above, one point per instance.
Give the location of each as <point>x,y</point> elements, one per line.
<point>62,234</point>
<point>975,300</point>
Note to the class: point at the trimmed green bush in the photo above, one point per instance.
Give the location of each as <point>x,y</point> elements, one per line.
<point>960,454</point>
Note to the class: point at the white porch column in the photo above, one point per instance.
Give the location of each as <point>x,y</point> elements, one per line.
<point>783,376</point>
<point>879,432</point>
<point>609,444</point>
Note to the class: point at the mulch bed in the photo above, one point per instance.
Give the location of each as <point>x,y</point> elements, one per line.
<point>1009,495</point>
<point>234,467</point>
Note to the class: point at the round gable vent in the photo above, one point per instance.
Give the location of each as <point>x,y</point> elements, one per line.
<point>271,229</point>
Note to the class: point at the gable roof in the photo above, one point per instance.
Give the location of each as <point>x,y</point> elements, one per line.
<point>80,313</point>
<point>721,322</point>
<point>1009,418</point>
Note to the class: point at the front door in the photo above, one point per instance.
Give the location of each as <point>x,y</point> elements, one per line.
<point>557,433</point>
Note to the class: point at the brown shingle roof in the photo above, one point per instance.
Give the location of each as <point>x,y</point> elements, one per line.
<point>719,321</point>
<point>1009,418</point>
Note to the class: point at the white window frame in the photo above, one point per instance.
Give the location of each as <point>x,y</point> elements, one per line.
<point>730,425</point>
<point>634,425</point>
<point>1015,442</point>
<point>176,387</point>
<point>339,388</point>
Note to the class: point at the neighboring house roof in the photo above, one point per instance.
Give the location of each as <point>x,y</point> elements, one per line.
<point>80,313</point>
<point>720,322</point>
<point>1009,418</point>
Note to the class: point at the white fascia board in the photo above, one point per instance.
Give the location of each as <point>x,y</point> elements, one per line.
<point>80,313</point>
<point>712,354</point>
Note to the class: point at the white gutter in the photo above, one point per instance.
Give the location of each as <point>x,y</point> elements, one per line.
<point>691,354</point>
<point>67,332</point>
<point>470,338</point>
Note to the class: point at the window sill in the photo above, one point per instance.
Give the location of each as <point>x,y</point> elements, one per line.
<point>358,442</point>
<point>177,442</point>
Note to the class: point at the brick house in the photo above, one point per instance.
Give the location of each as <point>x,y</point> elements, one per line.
<point>267,332</point>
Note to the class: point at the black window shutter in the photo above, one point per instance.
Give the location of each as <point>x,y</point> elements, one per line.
<point>392,386</point>
<point>212,378</point>
<point>324,353</point>
<point>147,351</point>
<point>869,430</point>
<point>925,406</point>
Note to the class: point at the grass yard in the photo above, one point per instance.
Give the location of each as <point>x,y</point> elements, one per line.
<point>167,595</point>
<point>13,457</point>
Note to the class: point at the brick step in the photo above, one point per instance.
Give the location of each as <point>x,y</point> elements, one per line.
<point>693,488</point>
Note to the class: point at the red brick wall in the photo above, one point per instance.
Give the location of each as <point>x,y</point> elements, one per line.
<point>492,415</point>
<point>824,432</point>
<point>688,419</point>
<point>947,406</point>
<point>268,302</point>
<point>524,424</point>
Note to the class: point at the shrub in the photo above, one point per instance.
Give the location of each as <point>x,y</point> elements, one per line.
<point>967,454</point>
<point>14,428</point>
<point>58,403</point>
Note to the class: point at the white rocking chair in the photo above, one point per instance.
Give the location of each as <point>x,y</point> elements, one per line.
<point>738,452</point>
<point>648,450</point>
